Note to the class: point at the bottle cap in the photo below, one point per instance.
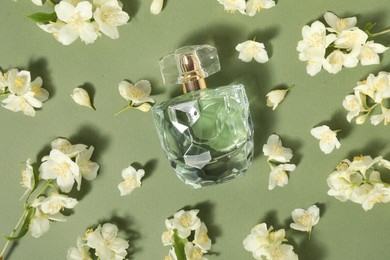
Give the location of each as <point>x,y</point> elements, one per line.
<point>189,64</point>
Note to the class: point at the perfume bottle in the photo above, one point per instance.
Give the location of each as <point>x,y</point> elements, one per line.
<point>206,134</point>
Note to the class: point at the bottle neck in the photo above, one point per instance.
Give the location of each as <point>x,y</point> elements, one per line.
<point>194,85</point>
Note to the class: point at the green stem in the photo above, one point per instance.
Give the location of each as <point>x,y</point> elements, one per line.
<point>380,33</point>
<point>42,190</point>
<point>123,109</point>
<point>13,232</point>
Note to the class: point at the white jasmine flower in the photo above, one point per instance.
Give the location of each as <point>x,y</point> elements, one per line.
<point>40,223</point>
<point>167,236</point>
<point>109,16</point>
<point>278,175</point>
<point>77,22</point>
<point>384,116</point>
<point>193,252</point>
<point>106,243</point>
<point>185,222</point>
<point>60,167</point>
<point>81,252</point>
<point>275,151</point>
<point>56,203</point>
<point>253,6</point>
<point>339,24</point>
<point>81,97</point>
<point>369,53</point>
<point>274,97</point>
<point>379,193</point>
<point>314,36</point>
<point>281,252</point>
<point>363,163</point>
<point>376,87</point>
<point>18,81</point>
<point>132,179</point>
<point>138,93</point>
<point>201,239</point>
<point>28,180</point>
<point>354,105</point>
<point>156,6</point>
<point>233,5</point>
<point>334,62</point>
<point>52,27</point>
<point>87,168</point>
<point>40,93</point>
<point>305,220</point>
<point>261,239</point>
<point>25,103</point>
<point>350,39</point>
<point>64,146</point>
<point>252,50</point>
<point>341,184</point>
<point>328,138</point>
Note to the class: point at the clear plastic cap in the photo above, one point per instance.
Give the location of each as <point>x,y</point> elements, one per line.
<point>189,63</point>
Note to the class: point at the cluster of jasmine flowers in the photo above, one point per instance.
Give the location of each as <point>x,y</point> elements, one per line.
<point>66,164</point>
<point>86,19</point>
<point>103,240</point>
<point>21,93</point>
<point>250,7</point>
<point>340,45</point>
<point>368,94</point>
<point>187,236</point>
<point>360,181</point>
<point>265,243</point>
<point>278,159</point>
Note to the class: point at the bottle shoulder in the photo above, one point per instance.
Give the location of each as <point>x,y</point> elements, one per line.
<point>207,93</point>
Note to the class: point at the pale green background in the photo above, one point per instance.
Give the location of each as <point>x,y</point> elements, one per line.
<point>345,231</point>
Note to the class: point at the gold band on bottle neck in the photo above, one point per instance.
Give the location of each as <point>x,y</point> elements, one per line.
<point>193,79</point>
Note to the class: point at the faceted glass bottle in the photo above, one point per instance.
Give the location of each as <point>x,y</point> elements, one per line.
<point>206,134</point>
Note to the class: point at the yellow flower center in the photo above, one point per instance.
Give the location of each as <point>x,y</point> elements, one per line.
<point>277,149</point>
<point>358,158</point>
<point>76,22</point>
<point>203,238</point>
<point>278,253</point>
<point>251,50</point>
<point>131,181</point>
<point>327,137</point>
<point>62,169</point>
<point>377,198</point>
<point>316,40</point>
<point>196,254</point>
<point>186,220</point>
<point>282,175</point>
<point>110,17</point>
<point>136,93</point>
<point>341,167</point>
<point>57,206</point>
<point>305,220</point>
<point>87,233</point>
<point>341,24</point>
<point>380,85</point>
<point>19,83</point>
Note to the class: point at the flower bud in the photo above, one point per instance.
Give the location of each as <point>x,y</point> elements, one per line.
<point>81,97</point>
<point>275,97</point>
<point>156,6</point>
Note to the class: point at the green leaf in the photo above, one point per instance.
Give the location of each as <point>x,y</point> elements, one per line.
<point>23,230</point>
<point>178,244</point>
<point>42,17</point>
